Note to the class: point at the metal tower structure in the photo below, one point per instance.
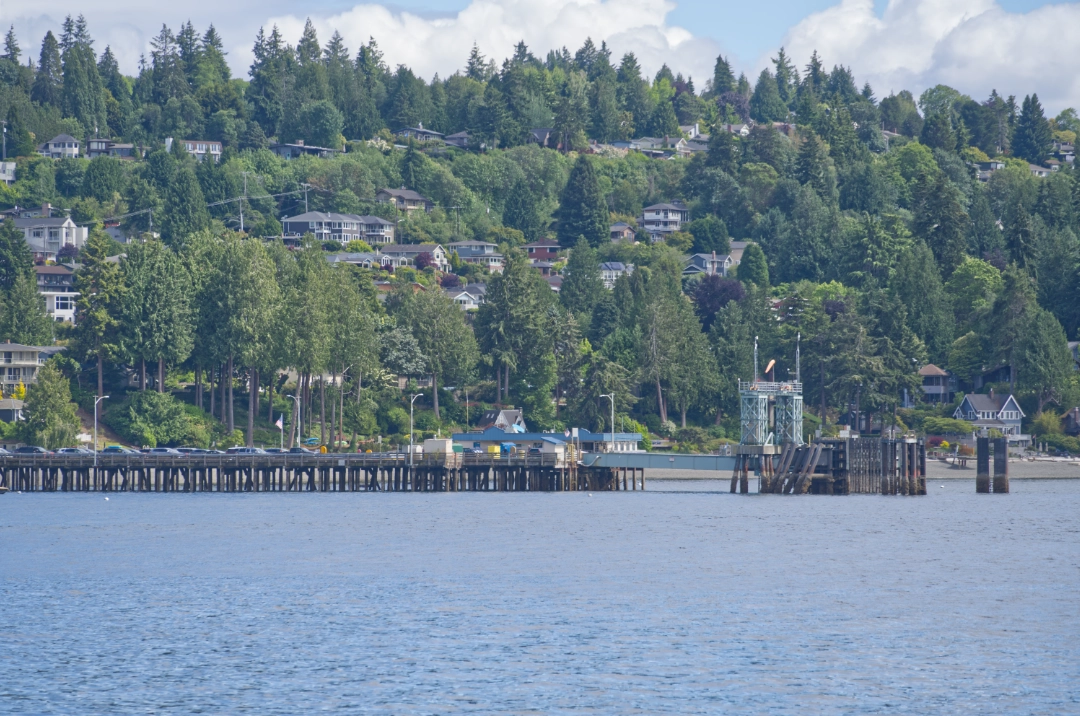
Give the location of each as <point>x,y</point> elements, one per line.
<point>786,398</point>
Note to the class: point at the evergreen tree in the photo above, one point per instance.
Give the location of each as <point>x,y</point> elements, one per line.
<point>917,284</point>
<point>522,211</point>
<point>1032,137</point>
<point>158,320</point>
<point>814,167</point>
<point>723,80</point>
<point>787,77</point>
<point>753,269</point>
<point>50,419</point>
<point>49,79</point>
<point>937,133</point>
<point>11,46</point>
<point>26,321</point>
<point>573,112</point>
<point>663,122</point>
<point>766,105</point>
<point>15,257</point>
<point>186,208</point>
<point>20,143</point>
<point>941,221</point>
<point>82,89</point>
<point>582,209</point>
<point>99,305</point>
<point>582,287</point>
<point>632,92</point>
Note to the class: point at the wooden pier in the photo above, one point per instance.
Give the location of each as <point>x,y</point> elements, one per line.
<point>367,472</point>
<point>841,467</point>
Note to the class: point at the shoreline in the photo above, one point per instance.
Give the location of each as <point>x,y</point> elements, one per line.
<point>1039,469</point>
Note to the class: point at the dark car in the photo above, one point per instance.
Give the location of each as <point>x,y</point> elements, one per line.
<point>119,450</point>
<point>473,451</point>
<point>32,450</point>
<point>189,450</point>
<point>74,451</point>
<point>276,451</point>
<point>301,451</point>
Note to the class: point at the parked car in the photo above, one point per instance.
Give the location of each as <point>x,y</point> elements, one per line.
<point>300,451</point>
<point>534,451</point>
<point>74,451</point>
<point>245,451</point>
<point>188,450</point>
<point>163,451</point>
<point>119,450</point>
<point>4,452</point>
<point>276,451</point>
<point>32,450</point>
<point>473,451</point>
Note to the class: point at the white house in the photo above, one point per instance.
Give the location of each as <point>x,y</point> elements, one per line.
<point>7,172</point>
<point>48,235</point>
<point>470,297</point>
<point>610,271</point>
<point>56,282</point>
<point>343,228</point>
<point>20,364</point>
<point>62,146</point>
<point>410,252</point>
<point>198,148</point>
<point>659,220</point>
<point>481,253</point>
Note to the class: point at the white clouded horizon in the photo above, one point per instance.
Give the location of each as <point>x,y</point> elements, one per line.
<point>972,45</point>
<point>442,44</point>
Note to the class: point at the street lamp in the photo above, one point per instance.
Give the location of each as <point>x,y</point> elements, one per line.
<point>611,397</point>
<point>411,402</point>
<point>95,428</point>
<point>297,401</point>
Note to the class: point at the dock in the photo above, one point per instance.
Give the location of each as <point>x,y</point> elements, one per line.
<point>353,472</point>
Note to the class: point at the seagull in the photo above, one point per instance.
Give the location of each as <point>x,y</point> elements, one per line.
<point>106,499</point>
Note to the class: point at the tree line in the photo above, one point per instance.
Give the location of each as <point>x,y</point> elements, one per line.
<point>880,250</point>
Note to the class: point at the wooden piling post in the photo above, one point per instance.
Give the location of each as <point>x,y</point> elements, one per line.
<point>982,460</point>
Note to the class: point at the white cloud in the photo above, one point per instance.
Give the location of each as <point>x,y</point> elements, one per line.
<point>430,45</point>
<point>972,45</point>
<point>427,44</point>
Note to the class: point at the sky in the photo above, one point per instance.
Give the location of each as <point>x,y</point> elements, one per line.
<point>1013,46</point>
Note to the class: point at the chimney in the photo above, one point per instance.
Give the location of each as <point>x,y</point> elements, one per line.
<point>991,394</point>
<point>46,210</point>
<point>712,266</point>
<point>300,142</point>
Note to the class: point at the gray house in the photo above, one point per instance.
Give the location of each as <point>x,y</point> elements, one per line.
<point>993,412</point>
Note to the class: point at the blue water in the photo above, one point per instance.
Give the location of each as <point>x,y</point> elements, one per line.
<point>677,600</point>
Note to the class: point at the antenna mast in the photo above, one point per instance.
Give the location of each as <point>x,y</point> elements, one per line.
<point>798,340</point>
<point>755,359</point>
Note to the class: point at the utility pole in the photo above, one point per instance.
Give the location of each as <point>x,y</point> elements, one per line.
<point>411,403</point>
<point>245,175</point>
<point>611,397</point>
<point>4,122</point>
<point>306,187</point>
<point>755,359</point>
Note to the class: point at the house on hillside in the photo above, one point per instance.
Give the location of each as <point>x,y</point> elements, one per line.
<point>457,139</point>
<point>993,412</point>
<point>410,252</point>
<point>621,231</point>
<point>468,298</point>
<point>544,136</point>
<point>659,220</point>
<point>20,364</point>
<point>610,271</point>
<point>404,199</point>
<point>47,236</point>
<point>7,172</point>
<point>198,148</point>
<point>299,149</point>
<point>363,259</point>
<point>343,228</point>
<point>62,146</point>
<point>481,253</point>
<point>419,134</point>
<point>938,386</point>
<point>543,250</point>
<point>108,148</point>
<point>56,282</point>
<point>712,264</point>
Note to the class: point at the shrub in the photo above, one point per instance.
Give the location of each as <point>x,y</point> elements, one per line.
<point>150,418</point>
<point>946,426</point>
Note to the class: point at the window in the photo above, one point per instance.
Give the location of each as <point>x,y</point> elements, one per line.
<point>65,303</point>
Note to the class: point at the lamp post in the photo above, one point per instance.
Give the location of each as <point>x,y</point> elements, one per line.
<point>611,397</point>
<point>411,402</point>
<point>297,401</point>
<point>98,400</point>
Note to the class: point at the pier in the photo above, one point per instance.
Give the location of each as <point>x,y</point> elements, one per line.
<point>361,472</point>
